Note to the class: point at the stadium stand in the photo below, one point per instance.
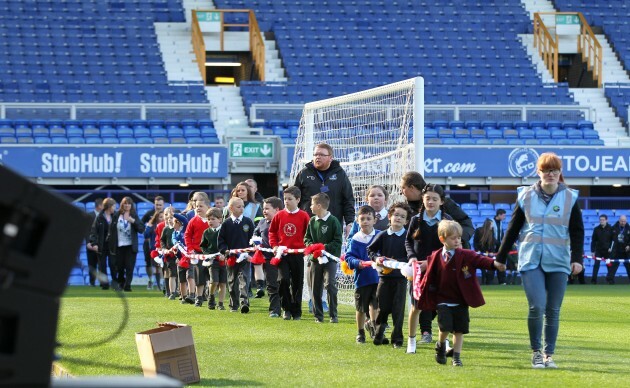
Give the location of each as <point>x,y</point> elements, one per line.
<point>468,52</point>
<point>611,16</point>
<point>87,51</point>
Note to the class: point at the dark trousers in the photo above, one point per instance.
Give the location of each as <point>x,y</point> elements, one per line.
<point>92,260</point>
<point>612,270</point>
<point>323,275</point>
<point>125,264</point>
<point>271,278</point>
<point>391,295</point>
<point>105,260</point>
<point>238,284</point>
<point>291,279</point>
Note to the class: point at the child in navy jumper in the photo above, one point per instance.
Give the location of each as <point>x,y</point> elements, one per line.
<point>236,232</point>
<point>365,277</point>
<point>450,286</point>
<point>287,229</point>
<point>392,285</point>
<point>271,206</point>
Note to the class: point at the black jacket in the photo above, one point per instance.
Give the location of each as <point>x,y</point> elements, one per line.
<point>137,227</point>
<point>429,241</point>
<point>620,240</point>
<point>339,190</point>
<point>601,240</point>
<point>452,209</point>
<point>99,232</point>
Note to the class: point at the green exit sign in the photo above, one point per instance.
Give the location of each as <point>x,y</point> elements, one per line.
<point>258,149</point>
<point>208,17</point>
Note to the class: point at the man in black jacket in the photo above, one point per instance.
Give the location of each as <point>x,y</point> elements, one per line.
<point>620,248</point>
<point>600,243</point>
<point>325,175</point>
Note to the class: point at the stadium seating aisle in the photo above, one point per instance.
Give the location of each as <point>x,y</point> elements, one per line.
<point>611,15</point>
<point>467,51</point>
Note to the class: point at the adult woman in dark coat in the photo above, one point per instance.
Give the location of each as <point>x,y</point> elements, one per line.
<point>98,240</point>
<point>123,241</point>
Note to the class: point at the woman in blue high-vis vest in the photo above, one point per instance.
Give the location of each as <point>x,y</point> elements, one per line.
<point>547,221</point>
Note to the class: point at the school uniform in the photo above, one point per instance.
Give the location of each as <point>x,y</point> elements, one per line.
<point>392,287</point>
<point>327,231</point>
<point>217,272</point>
<point>288,229</point>
<point>365,279</point>
<point>450,285</point>
<point>271,271</point>
<point>235,233</point>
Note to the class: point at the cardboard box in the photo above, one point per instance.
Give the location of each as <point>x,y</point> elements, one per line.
<point>170,350</point>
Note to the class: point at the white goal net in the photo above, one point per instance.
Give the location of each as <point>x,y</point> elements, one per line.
<point>372,134</point>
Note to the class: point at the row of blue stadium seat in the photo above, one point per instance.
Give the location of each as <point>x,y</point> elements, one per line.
<point>154,123</point>
<point>110,140</point>
<point>531,142</point>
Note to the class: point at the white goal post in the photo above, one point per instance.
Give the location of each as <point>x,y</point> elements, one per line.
<point>377,135</point>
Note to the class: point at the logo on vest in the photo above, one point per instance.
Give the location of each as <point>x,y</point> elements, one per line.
<point>556,208</point>
<point>522,162</point>
<point>245,228</point>
<point>324,229</point>
<point>333,177</point>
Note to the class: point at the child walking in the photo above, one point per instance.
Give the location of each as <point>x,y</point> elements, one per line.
<point>235,233</point>
<point>422,239</point>
<point>271,206</point>
<point>287,229</point>
<point>217,272</point>
<point>324,228</point>
<point>365,277</point>
<point>450,286</point>
<point>392,285</point>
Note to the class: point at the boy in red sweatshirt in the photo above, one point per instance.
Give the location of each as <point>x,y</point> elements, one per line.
<point>194,234</point>
<point>287,229</point>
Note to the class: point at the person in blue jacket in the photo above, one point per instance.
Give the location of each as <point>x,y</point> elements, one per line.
<point>547,221</point>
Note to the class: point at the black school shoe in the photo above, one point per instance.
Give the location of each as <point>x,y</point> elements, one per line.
<point>397,345</point>
<point>440,353</point>
<point>380,340</point>
<point>360,338</point>
<point>244,309</point>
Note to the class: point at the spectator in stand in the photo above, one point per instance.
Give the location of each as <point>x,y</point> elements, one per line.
<point>325,175</point>
<point>150,232</point>
<point>620,248</point>
<point>600,244</point>
<point>412,184</point>
<point>484,242</point>
<point>547,220</point>
<point>123,241</point>
<point>98,243</point>
<point>158,206</point>
<point>91,252</point>
<point>254,185</point>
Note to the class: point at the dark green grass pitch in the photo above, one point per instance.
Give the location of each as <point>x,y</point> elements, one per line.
<point>254,350</point>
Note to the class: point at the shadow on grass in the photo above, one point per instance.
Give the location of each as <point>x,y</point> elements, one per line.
<point>228,382</point>
<point>114,366</point>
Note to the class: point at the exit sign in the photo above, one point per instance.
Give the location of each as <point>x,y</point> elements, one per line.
<point>254,150</point>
